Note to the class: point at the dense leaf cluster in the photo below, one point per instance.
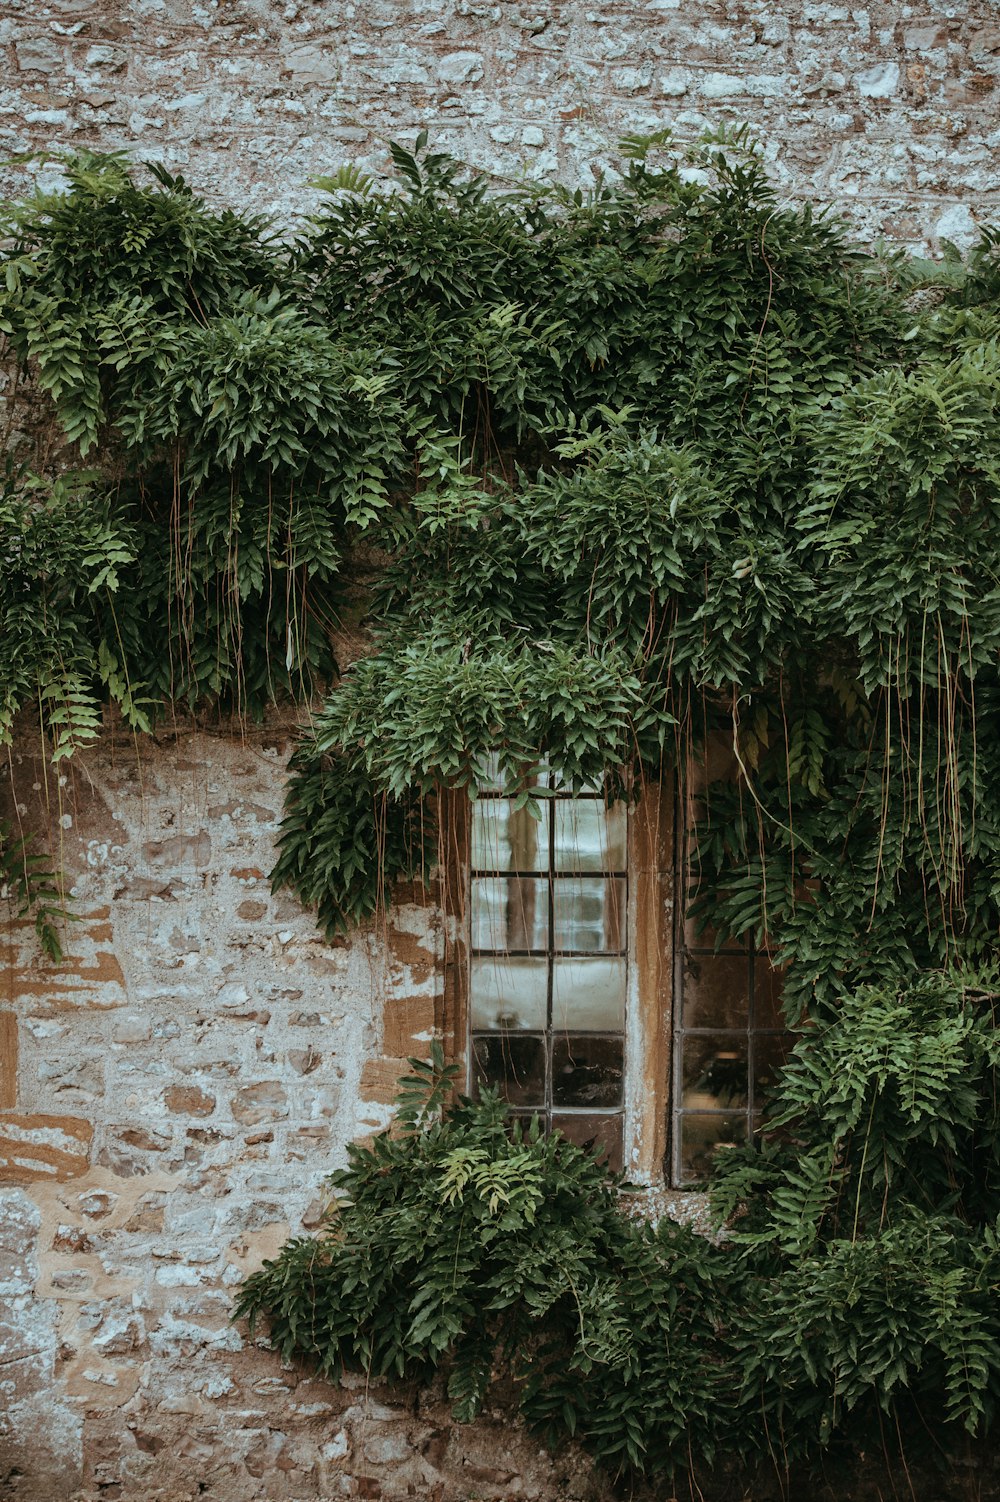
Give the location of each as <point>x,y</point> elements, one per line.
<point>870,1220</point>
<point>460,1244</point>
<point>854,1296</point>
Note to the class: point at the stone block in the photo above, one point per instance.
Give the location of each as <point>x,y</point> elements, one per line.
<point>8,1060</point>
<point>40,54</point>
<point>188,1100</point>
<point>407,1025</point>
<point>180,851</point>
<point>878,82</point>
<point>387,1448</point>
<point>266,1101</point>
<point>95,1204</point>
<point>380,1080</point>
<point>460,67</point>
<point>43,1147</point>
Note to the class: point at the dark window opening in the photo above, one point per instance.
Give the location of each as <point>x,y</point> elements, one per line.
<point>729,1035</point>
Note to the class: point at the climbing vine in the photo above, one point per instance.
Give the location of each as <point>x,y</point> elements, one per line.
<point>628,472</point>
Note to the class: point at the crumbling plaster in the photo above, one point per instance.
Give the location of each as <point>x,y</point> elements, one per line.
<point>186,1078</point>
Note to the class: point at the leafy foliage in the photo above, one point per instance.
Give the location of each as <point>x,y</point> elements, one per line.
<point>869,1222</point>
<point>645,471</point>
<point>462,1242</point>
<point>854,1292</point>
<point>28,885</point>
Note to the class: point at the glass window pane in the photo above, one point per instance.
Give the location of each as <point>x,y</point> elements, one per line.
<point>600,1133</point>
<point>509,993</point>
<point>716,990</point>
<point>589,912</point>
<point>769,1053</point>
<point>714,1071</point>
<point>510,912</point>
<point>767,983</point>
<point>588,994</point>
<point>587,1071</point>
<point>589,836</point>
<point>514,1063</point>
<point>701,935</point>
<point>702,1138</point>
<point>509,839</point>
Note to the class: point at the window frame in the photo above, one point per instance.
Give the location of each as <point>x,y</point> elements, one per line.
<point>551,878</point>
<point>656,913</point>
<point>649,966</point>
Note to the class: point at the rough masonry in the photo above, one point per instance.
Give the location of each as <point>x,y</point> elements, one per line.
<point>176,1091</point>
<point>887,110</point>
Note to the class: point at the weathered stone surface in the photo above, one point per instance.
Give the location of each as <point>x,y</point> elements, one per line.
<point>267,1101</point>
<point>188,1100</point>
<point>253,101</point>
<point>8,1060</point>
<point>42,1147</point>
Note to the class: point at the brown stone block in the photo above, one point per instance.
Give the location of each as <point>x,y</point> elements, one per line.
<point>8,1060</point>
<point>72,1240</point>
<point>264,1102</point>
<point>403,1018</point>
<point>380,1080</point>
<point>188,1100</point>
<point>43,1147</point>
<point>180,850</point>
<point>409,950</point>
<point>88,975</point>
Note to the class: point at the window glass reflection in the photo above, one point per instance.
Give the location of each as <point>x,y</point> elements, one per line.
<point>714,1071</point>
<point>509,993</point>
<point>716,990</point>
<point>548,968</point>
<point>588,912</point>
<point>588,835</point>
<point>510,912</point>
<point>509,839</point>
<point>767,995</point>
<point>513,1063</point>
<point>599,1134</point>
<point>588,994</point>
<point>586,1071</point>
<point>729,1032</point>
<point>703,1136</point>
<point>769,1053</point>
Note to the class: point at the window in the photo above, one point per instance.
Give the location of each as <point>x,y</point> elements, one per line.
<point>729,1034</point>
<point>728,1042</point>
<point>574,987</point>
<point>548,961</point>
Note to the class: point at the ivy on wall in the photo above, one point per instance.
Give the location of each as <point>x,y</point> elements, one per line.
<point>848,1321</point>
<point>637,468</point>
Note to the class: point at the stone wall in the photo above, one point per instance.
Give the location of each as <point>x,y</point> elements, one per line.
<point>172,1095</point>
<point>889,110</point>
<point>184,1081</point>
